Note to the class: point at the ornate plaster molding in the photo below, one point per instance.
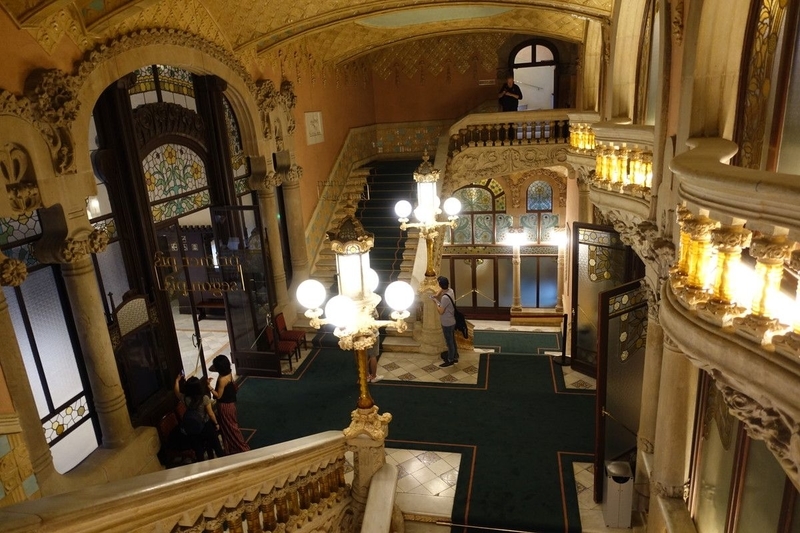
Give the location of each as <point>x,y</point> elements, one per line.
<point>645,238</point>
<point>293,175</point>
<point>677,21</point>
<point>70,249</point>
<point>368,422</point>
<point>479,163</point>
<point>12,271</point>
<point>153,120</point>
<point>757,385</point>
<point>50,101</point>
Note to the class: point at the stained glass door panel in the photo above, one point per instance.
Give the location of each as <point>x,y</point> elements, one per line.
<point>599,265</point>
<point>244,277</point>
<point>622,335</point>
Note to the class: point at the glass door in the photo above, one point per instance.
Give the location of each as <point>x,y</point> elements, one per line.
<point>622,335</point>
<point>243,278</point>
<point>600,263</point>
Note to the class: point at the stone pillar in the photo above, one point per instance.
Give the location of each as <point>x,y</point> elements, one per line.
<point>585,210</point>
<point>21,403</point>
<point>98,353</point>
<point>365,438</point>
<point>294,224</point>
<point>672,432</point>
<point>268,206</point>
<point>430,336</point>
<point>561,275</point>
<point>516,262</point>
<point>648,412</point>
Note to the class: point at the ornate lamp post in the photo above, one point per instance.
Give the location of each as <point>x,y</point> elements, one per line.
<point>352,311</point>
<point>427,209</point>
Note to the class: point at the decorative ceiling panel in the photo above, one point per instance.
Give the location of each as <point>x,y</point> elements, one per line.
<point>346,41</point>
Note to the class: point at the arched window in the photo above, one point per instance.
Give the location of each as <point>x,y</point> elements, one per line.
<point>540,221</point>
<point>534,65</point>
<point>481,204</point>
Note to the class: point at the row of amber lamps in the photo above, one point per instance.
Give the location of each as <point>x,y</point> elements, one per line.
<point>581,137</point>
<point>620,165</point>
<point>709,268</point>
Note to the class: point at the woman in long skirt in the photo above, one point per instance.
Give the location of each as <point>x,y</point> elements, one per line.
<point>225,393</point>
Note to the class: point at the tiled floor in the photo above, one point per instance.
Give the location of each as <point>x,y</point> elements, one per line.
<point>427,480</point>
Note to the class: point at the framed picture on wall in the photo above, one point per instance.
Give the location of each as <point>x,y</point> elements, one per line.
<point>314,132</point>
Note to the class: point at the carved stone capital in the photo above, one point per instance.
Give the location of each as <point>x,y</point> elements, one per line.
<point>757,329</point>
<point>720,314</point>
<point>293,175</point>
<point>787,344</point>
<point>368,422</point>
<point>770,250</point>
<point>699,227</point>
<point>12,271</point>
<point>70,249</point>
<point>730,238</point>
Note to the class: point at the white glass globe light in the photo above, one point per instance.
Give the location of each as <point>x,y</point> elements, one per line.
<point>423,214</point>
<point>371,280</point>
<point>311,293</point>
<point>340,311</point>
<point>452,206</point>
<point>402,209</point>
<point>399,295</point>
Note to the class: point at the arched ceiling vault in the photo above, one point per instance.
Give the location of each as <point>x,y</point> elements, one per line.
<point>333,31</point>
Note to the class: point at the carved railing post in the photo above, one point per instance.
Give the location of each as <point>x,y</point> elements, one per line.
<point>698,258</point>
<point>365,438</point>
<point>721,308</point>
<point>789,343</point>
<point>678,272</point>
<point>760,324</point>
<point>252,516</point>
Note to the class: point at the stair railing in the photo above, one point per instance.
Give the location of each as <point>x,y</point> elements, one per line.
<point>298,485</point>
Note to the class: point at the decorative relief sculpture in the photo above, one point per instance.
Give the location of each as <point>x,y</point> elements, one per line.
<point>15,170</point>
<point>481,163</point>
<point>12,272</point>
<point>156,119</point>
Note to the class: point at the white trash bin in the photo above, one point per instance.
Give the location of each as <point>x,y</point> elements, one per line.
<point>617,494</point>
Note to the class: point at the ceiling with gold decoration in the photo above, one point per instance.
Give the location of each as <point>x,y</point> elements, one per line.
<point>332,31</point>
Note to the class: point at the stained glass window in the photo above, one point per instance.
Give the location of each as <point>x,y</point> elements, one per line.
<point>482,219</point>
<point>176,181</point>
<point>540,196</point>
<point>163,83</point>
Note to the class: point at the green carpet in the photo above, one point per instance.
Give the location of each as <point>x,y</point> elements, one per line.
<point>518,342</point>
<point>512,435</point>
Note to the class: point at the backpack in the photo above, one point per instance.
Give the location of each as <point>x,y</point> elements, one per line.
<point>192,422</point>
<point>461,320</point>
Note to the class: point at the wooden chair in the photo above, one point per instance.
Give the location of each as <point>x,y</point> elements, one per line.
<point>286,334</point>
<point>285,349</point>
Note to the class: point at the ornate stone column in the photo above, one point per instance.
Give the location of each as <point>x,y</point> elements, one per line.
<point>721,308</point>
<point>678,272</point>
<point>12,366</point>
<point>672,431</point>
<point>561,262</point>
<point>294,223</point>
<point>90,322</point>
<point>770,253</point>
<point>264,183</point>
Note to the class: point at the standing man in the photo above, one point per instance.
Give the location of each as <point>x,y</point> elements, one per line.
<point>510,94</point>
<point>445,304</point>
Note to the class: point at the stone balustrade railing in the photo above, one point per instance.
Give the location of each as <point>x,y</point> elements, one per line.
<point>509,129</point>
<point>294,486</point>
<point>582,139</point>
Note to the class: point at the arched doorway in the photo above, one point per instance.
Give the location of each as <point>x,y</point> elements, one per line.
<point>173,195</point>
